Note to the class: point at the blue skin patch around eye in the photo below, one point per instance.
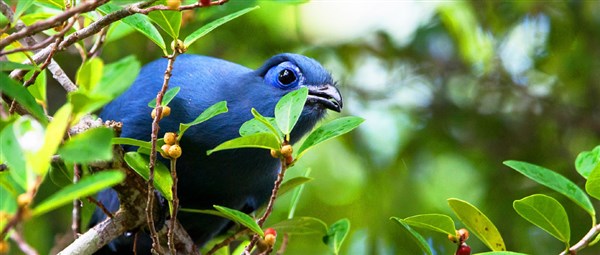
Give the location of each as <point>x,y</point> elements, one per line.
<point>282,76</point>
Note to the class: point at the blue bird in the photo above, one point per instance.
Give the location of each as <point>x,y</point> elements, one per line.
<point>241,179</point>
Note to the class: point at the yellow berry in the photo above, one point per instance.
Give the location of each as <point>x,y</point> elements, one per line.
<point>173,4</point>
<point>179,46</point>
<point>166,111</point>
<point>270,240</point>
<point>170,138</point>
<point>462,234</point>
<point>165,150</point>
<point>4,247</point>
<point>286,150</point>
<point>174,151</point>
<point>24,200</point>
<point>274,153</point>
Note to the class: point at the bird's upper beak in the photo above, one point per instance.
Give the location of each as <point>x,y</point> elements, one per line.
<point>326,95</point>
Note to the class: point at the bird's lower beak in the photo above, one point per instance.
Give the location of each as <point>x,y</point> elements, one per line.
<point>326,95</point>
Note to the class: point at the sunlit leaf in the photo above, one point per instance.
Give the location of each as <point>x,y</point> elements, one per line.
<point>554,181</point>
<point>162,177</point>
<point>253,126</point>
<point>22,6</point>
<point>267,123</point>
<point>436,222</point>
<point>88,185</point>
<point>212,25</point>
<point>169,21</point>
<point>416,237</point>
<point>592,186</point>
<point>169,95</point>
<point>478,223</point>
<point>546,213</point>
<point>336,234</point>
<point>289,108</point>
<point>301,226</point>
<point>118,77</point>
<point>40,162</point>
<point>210,112</point>
<point>260,140</point>
<point>291,184</point>
<point>587,161</point>
<point>15,90</point>
<point>38,88</point>
<point>241,218</point>
<point>89,74</point>
<point>89,146</point>
<point>60,4</point>
<point>328,131</point>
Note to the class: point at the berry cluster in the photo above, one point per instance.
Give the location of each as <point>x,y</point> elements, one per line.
<point>461,236</point>
<point>170,149</point>
<point>285,152</point>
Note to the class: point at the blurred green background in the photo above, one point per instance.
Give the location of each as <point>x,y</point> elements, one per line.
<point>449,90</point>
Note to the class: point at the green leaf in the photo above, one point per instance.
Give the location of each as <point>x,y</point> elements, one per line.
<point>53,3</point>
<point>89,146</point>
<point>253,126</point>
<point>419,240</point>
<point>38,88</point>
<point>210,112</point>
<point>267,123</point>
<point>214,24</point>
<point>24,131</point>
<point>478,223</point>
<point>554,181</point>
<point>436,222</point>
<point>297,192</point>
<point>169,95</point>
<point>260,140</point>
<point>84,103</point>
<point>292,183</point>
<point>131,141</point>
<point>8,66</point>
<point>87,186</point>
<point>592,186</point>
<point>546,213</point>
<point>14,90</point>
<point>289,108</point>
<point>162,177</point>
<point>89,74</point>
<point>587,161</point>
<point>140,23</point>
<point>40,162</point>
<point>336,234</point>
<point>241,218</point>
<point>117,77</point>
<point>169,21</point>
<point>22,6</point>
<point>328,131</point>
<point>301,226</point>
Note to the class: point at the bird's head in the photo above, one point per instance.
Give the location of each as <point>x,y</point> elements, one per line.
<point>287,72</point>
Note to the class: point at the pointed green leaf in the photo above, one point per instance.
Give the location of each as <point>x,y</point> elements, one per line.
<point>419,240</point>
<point>131,141</point>
<point>328,131</point>
<point>162,177</point>
<point>89,146</point>
<point>301,226</point>
<point>169,21</point>
<point>592,186</point>
<point>167,98</point>
<point>267,123</point>
<point>38,88</point>
<point>336,234</point>
<point>140,23</point>
<point>290,184</point>
<point>289,108</point>
<point>60,4</point>
<point>87,186</point>
<point>210,112</point>
<point>212,25</point>
<point>22,6</point>
<point>478,223</point>
<point>15,90</point>
<point>546,213</point>
<point>436,222</point>
<point>89,74</point>
<point>241,218</point>
<point>83,103</point>
<point>253,126</point>
<point>260,140</point>
<point>554,181</point>
<point>587,161</point>
<point>8,66</point>
<point>40,162</point>
<point>118,76</point>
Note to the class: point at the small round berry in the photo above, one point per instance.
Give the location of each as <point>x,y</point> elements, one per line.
<point>175,151</point>
<point>179,46</point>
<point>270,231</point>
<point>4,247</point>
<point>24,200</point>
<point>166,111</point>
<point>165,150</point>
<point>463,249</point>
<point>286,150</point>
<point>153,114</point>
<point>270,240</point>
<point>205,2</point>
<point>170,138</point>
<point>463,234</point>
<point>274,153</point>
<point>289,160</point>
<point>173,4</point>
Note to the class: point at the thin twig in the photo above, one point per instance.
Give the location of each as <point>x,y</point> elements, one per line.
<point>23,245</point>
<point>584,242</point>
<point>284,243</point>
<point>95,50</point>
<point>76,221</point>
<point>101,206</point>
<point>228,240</point>
<point>170,233</point>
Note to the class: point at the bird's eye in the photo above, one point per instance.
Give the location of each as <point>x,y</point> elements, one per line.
<point>286,77</point>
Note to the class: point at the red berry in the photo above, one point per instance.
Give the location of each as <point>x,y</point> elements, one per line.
<point>463,249</point>
<point>270,231</point>
<point>205,2</point>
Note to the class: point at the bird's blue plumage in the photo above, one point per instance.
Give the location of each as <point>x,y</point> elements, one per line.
<point>241,179</point>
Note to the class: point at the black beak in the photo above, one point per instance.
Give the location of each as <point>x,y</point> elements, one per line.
<point>326,95</point>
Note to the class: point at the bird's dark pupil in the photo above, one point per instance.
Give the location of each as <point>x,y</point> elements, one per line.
<point>286,76</point>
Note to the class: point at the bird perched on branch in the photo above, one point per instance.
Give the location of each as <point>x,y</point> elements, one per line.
<point>241,179</point>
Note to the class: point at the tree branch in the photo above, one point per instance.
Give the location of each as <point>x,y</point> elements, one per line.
<point>584,242</point>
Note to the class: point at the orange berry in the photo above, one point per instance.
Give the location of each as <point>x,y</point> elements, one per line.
<point>173,4</point>
<point>24,200</point>
<point>274,153</point>
<point>165,150</point>
<point>174,151</point>
<point>170,138</point>
<point>286,150</point>
<point>270,240</point>
<point>4,247</point>
<point>462,234</point>
<point>166,111</point>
